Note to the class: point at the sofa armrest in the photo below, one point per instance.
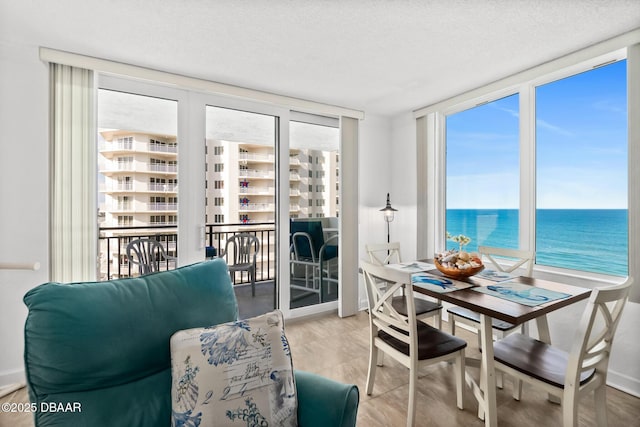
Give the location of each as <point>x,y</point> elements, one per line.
<point>324,402</point>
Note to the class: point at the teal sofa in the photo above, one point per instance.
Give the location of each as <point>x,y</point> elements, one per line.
<point>97,354</point>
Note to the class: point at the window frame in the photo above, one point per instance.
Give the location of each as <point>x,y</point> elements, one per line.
<point>431,140</point>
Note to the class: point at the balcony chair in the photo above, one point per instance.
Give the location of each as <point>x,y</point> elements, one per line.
<point>569,375</point>
<point>147,254</point>
<point>389,253</point>
<point>310,251</point>
<point>411,342</point>
<point>240,252</point>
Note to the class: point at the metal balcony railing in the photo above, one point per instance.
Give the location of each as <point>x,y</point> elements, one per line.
<point>113,241</point>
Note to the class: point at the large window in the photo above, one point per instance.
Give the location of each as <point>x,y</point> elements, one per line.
<point>483,174</point>
<point>570,186</point>
<point>581,171</point>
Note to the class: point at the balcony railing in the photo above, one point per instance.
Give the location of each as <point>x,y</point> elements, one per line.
<point>249,173</point>
<point>113,241</point>
<point>163,148</point>
<point>260,207</point>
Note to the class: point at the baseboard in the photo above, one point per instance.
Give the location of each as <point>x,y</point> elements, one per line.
<point>10,377</point>
<point>624,383</point>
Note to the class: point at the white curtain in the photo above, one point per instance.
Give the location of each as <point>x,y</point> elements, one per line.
<point>73,248</point>
<point>348,274</point>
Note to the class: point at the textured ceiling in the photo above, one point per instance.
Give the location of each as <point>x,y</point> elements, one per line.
<point>383,57</point>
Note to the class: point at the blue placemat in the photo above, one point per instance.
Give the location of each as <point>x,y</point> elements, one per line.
<point>437,284</point>
<point>494,275</point>
<point>522,294</point>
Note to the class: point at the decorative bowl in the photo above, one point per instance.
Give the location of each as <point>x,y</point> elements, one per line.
<point>456,273</point>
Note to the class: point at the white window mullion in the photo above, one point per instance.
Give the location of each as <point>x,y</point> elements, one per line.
<point>527,168</point>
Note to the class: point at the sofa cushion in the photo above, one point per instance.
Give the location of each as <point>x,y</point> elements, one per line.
<point>102,337</point>
<point>238,373</point>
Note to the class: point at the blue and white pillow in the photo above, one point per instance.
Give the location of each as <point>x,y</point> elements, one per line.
<point>235,374</point>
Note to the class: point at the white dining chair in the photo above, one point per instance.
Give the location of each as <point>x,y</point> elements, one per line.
<point>389,253</point>
<point>505,261</point>
<point>413,343</point>
<point>569,375</point>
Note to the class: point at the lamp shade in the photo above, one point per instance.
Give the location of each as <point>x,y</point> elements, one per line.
<point>388,211</point>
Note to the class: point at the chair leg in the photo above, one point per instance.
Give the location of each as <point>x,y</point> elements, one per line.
<point>600,395</point>
<point>253,282</point>
<point>517,388</point>
<point>452,320</point>
<point>460,383</point>
<point>439,319</point>
<point>481,406</point>
<point>499,374</point>
<point>373,361</point>
<point>570,409</point>
<point>499,380</point>
<point>380,358</point>
<point>411,410</point>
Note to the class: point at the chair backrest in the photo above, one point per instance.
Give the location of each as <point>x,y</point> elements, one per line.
<point>381,284</point>
<point>241,249</point>
<point>146,254</point>
<point>517,257</point>
<point>594,338</point>
<point>384,253</point>
<point>307,237</point>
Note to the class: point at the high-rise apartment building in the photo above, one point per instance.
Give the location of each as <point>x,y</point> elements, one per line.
<point>139,188</point>
<point>241,183</point>
<point>138,176</point>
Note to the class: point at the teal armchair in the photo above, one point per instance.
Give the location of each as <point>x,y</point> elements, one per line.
<point>99,351</point>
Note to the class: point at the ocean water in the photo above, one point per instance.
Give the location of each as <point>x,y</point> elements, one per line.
<point>592,240</point>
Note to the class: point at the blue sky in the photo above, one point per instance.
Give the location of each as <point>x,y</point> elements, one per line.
<point>581,140</point>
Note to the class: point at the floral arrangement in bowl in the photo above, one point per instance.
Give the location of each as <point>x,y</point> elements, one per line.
<point>458,262</point>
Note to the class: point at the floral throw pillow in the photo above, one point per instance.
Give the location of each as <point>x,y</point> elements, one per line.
<point>235,374</point>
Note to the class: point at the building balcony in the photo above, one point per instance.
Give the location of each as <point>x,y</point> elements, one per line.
<point>257,207</point>
<point>257,157</point>
<point>163,148</point>
<point>139,187</point>
<point>165,188</point>
<point>162,206</point>
<point>115,146</point>
<point>249,173</point>
<point>264,191</point>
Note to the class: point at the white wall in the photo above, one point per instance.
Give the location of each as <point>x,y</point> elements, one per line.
<point>375,166</point>
<point>24,189</point>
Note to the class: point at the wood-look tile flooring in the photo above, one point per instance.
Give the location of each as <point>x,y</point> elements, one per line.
<point>338,348</point>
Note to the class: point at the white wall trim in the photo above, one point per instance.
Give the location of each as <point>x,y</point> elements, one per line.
<point>107,66</point>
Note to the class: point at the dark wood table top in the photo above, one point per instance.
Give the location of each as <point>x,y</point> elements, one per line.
<point>502,309</point>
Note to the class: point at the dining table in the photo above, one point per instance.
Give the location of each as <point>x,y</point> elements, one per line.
<point>490,307</point>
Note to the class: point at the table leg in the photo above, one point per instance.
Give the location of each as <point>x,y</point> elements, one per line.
<point>543,329</point>
<point>545,336</point>
<point>487,373</point>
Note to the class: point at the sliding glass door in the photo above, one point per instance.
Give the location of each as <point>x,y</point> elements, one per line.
<point>241,186</point>
<point>243,168</point>
<point>314,158</point>
<point>137,178</point>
